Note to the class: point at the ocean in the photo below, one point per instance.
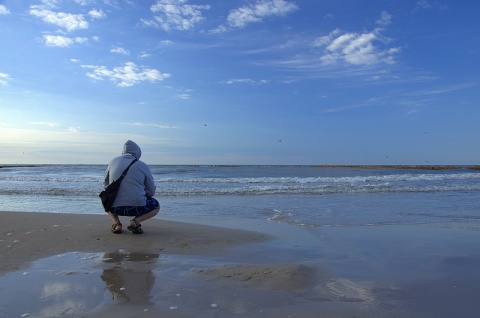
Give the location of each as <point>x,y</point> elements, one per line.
<point>314,196</point>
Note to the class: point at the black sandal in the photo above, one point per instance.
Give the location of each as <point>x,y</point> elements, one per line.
<point>137,229</point>
<point>115,229</point>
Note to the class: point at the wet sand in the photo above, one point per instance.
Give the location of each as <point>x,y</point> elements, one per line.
<point>62,265</point>
<point>26,237</point>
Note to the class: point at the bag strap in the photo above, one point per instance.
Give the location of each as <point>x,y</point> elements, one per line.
<point>126,170</point>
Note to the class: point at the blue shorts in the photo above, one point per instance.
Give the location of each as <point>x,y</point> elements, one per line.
<point>151,205</point>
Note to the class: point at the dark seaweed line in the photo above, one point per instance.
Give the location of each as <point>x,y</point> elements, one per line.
<point>417,167</point>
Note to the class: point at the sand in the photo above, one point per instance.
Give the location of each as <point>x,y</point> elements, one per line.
<point>63,265</point>
<point>26,237</point>
<point>127,262</point>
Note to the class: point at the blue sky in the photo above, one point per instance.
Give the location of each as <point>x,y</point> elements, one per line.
<point>241,82</point>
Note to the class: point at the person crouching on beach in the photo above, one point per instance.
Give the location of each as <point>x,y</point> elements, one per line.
<point>135,195</point>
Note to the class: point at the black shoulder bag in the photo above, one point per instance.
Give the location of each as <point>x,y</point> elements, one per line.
<point>110,193</point>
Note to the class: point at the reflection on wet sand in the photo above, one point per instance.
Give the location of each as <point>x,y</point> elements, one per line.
<point>129,282</point>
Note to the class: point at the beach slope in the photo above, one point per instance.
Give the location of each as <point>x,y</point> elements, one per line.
<point>26,237</point>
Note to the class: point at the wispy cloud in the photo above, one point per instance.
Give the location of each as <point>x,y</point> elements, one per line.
<point>337,54</point>
<point>62,41</point>
<point>245,81</point>
<point>176,14</point>
<point>385,19</point>
<point>184,96</point>
<point>426,5</point>
<point>150,125</point>
<point>4,78</point>
<point>120,50</point>
<point>443,90</point>
<point>97,14</point>
<point>255,13</point>
<point>166,43</point>
<point>411,101</point>
<point>127,75</point>
<point>4,10</point>
<point>259,11</point>
<point>49,124</point>
<point>378,101</point>
<point>423,4</point>
<point>73,129</point>
<point>70,22</point>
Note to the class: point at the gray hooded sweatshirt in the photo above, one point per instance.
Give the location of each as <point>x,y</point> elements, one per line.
<point>138,183</point>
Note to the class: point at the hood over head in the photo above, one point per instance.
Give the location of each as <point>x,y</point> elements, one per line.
<point>132,148</point>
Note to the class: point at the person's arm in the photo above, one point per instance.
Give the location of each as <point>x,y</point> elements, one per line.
<point>106,178</point>
<point>150,187</point>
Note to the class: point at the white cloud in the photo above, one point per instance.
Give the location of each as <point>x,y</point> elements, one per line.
<point>151,125</point>
<point>220,29</point>
<point>49,124</point>
<point>356,48</point>
<point>245,81</point>
<point>183,93</point>
<point>70,22</point>
<point>62,41</point>
<point>176,14</point>
<point>4,10</point>
<point>73,129</point>
<point>184,96</point>
<point>426,5</point>
<point>325,40</point>
<point>257,12</point>
<point>120,50</point>
<point>4,78</point>
<point>166,42</point>
<point>97,14</point>
<point>51,4</point>
<point>144,55</point>
<point>423,4</point>
<point>385,19</point>
<point>329,16</point>
<point>126,75</point>
<point>443,90</point>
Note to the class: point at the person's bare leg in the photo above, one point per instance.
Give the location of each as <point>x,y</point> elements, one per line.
<point>146,216</point>
<point>113,217</point>
<point>115,220</point>
<point>135,226</point>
